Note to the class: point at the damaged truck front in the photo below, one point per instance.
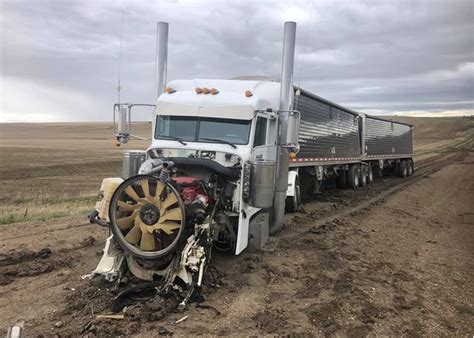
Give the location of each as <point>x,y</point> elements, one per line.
<point>206,181</point>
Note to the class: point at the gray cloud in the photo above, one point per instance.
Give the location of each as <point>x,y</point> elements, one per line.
<point>59,60</point>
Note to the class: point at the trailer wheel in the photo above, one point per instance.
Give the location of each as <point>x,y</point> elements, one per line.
<point>306,187</point>
<point>293,202</point>
<point>363,176</point>
<point>353,179</point>
<point>402,169</point>
<point>411,168</point>
<point>341,180</point>
<point>370,175</point>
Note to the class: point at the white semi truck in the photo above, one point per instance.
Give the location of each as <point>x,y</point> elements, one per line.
<point>226,158</point>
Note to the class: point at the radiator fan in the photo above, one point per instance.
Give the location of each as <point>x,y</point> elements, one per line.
<point>147,216</point>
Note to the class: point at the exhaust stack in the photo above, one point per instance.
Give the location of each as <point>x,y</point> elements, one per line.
<point>287,66</point>
<point>161,57</point>
<point>286,97</point>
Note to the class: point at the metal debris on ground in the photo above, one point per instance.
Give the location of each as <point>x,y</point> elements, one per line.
<point>181,320</point>
<point>114,317</point>
<point>16,331</point>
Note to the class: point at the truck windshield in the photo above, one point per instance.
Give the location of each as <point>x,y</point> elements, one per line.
<point>202,129</point>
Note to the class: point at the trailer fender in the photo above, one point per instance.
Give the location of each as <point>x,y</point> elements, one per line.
<point>292,175</point>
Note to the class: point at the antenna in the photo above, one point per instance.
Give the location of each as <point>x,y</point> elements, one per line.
<point>304,49</point>
<point>119,87</point>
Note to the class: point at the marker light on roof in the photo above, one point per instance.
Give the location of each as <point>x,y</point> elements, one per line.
<point>206,90</point>
<point>248,93</point>
<point>170,90</point>
<point>214,91</point>
<point>198,90</point>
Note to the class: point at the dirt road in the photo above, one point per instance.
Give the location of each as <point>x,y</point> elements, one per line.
<point>393,258</point>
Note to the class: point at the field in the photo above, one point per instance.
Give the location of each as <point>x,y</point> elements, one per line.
<point>394,258</point>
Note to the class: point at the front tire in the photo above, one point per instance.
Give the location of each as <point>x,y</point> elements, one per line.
<point>293,202</point>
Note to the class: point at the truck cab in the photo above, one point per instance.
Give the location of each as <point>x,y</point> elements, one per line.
<point>230,122</point>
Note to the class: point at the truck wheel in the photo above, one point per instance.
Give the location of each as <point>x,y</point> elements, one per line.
<point>370,175</point>
<point>353,178</point>
<point>402,169</point>
<point>341,180</point>
<point>363,176</point>
<point>306,187</point>
<point>411,168</point>
<point>293,202</point>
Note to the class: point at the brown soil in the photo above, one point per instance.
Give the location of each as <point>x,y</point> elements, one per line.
<point>394,258</point>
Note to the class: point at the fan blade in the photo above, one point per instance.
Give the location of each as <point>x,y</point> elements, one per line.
<point>145,187</point>
<point>167,227</point>
<point>147,242</point>
<point>134,234</point>
<point>126,222</point>
<point>171,215</point>
<point>159,189</point>
<point>125,206</point>
<point>169,201</point>
<point>131,193</point>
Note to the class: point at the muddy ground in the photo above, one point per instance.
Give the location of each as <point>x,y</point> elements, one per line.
<point>393,258</point>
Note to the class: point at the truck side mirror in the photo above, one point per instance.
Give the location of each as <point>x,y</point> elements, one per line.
<point>121,123</point>
<point>293,128</point>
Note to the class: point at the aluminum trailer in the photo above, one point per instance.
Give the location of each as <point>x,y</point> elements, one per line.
<point>337,142</point>
<point>328,133</point>
<point>387,145</point>
<point>386,139</point>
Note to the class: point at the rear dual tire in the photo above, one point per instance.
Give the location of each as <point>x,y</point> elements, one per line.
<point>403,169</point>
<point>370,174</point>
<point>411,167</point>
<point>341,180</point>
<point>363,176</point>
<point>353,176</point>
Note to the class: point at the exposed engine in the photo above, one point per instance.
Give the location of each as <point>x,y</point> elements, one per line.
<point>164,223</point>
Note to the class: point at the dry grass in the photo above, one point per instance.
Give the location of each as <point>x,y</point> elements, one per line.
<point>32,209</point>
<point>54,170</point>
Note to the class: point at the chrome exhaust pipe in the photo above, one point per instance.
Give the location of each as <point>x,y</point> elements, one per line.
<point>161,57</point>
<point>286,97</point>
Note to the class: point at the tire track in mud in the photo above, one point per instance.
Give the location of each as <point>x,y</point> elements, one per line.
<point>339,279</point>
<point>33,234</point>
<point>21,263</point>
<point>316,281</point>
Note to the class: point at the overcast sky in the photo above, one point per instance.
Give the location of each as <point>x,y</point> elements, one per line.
<point>59,60</point>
